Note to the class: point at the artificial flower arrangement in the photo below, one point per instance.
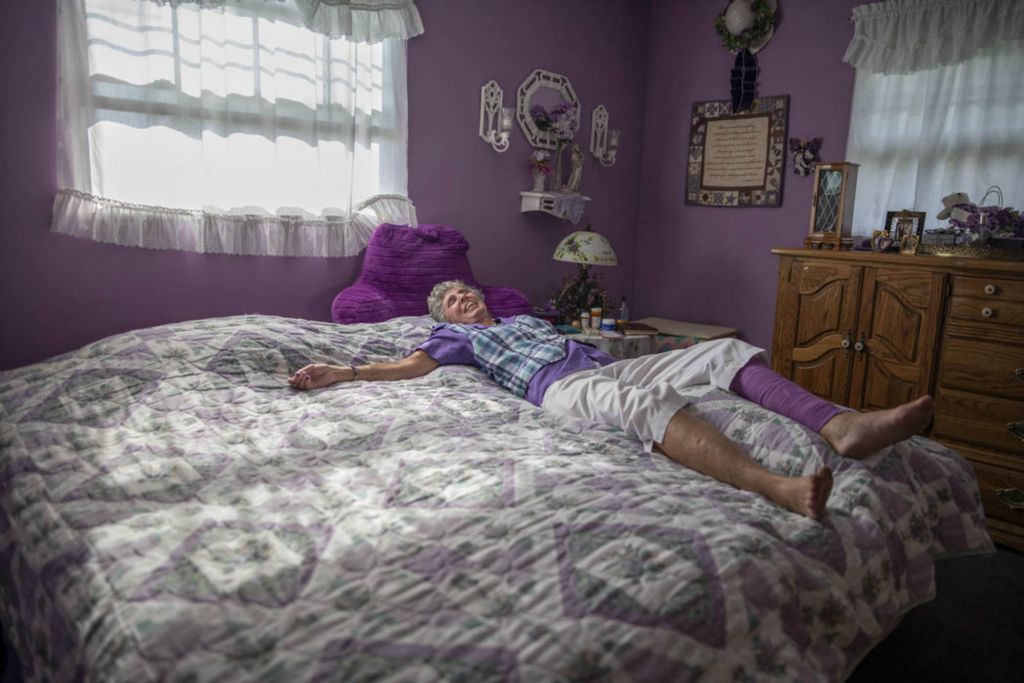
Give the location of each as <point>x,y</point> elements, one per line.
<point>1004,221</point>
<point>579,291</point>
<point>539,161</point>
<point>539,168</point>
<point>970,223</point>
<point>562,120</point>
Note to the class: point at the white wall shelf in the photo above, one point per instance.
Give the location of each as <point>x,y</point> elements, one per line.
<point>549,202</point>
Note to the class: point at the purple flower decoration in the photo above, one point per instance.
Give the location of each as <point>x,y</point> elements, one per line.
<point>1003,221</point>
<point>540,117</point>
<point>562,120</point>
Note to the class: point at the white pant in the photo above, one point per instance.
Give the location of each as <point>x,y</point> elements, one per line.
<point>640,395</point>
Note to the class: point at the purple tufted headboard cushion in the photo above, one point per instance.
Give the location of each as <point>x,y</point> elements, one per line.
<point>402,265</point>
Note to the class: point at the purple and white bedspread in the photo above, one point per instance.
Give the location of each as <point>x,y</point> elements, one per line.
<point>170,509</point>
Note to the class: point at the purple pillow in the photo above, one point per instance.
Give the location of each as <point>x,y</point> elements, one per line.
<point>400,267</point>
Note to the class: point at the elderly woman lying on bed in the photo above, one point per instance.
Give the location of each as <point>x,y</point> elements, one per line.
<point>529,358</point>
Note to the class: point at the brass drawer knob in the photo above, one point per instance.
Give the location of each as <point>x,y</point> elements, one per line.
<point>990,289</point>
<point>1016,429</point>
<point>987,312</point>
<point>1011,498</point>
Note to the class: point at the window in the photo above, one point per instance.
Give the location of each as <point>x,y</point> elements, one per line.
<point>935,114</point>
<point>921,136</point>
<point>232,129</point>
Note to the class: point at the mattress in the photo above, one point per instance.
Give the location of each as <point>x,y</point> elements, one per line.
<point>171,509</point>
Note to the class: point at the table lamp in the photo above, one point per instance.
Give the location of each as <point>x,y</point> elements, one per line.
<point>587,248</point>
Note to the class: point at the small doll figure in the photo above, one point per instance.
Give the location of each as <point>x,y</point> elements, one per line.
<point>805,154</point>
<point>576,175</point>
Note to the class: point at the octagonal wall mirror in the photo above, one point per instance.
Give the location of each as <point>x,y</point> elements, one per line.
<point>546,89</point>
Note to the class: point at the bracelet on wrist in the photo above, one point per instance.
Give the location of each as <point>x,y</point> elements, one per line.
<point>355,373</point>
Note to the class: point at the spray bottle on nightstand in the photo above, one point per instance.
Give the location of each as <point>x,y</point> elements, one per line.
<point>623,318</point>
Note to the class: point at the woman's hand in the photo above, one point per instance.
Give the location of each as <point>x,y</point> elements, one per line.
<point>318,376</point>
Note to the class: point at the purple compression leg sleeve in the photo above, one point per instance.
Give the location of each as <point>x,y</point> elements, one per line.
<point>758,383</point>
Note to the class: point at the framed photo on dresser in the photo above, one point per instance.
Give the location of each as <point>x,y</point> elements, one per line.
<point>905,228</point>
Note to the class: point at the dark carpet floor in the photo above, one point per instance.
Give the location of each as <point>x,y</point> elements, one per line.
<point>972,631</point>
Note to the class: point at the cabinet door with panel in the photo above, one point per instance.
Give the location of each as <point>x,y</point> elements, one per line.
<point>816,316</point>
<point>916,334</point>
<point>900,313</point>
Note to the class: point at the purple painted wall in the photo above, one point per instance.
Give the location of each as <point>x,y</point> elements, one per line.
<point>646,62</point>
<point>713,265</point>
<point>57,292</point>
<point>458,179</point>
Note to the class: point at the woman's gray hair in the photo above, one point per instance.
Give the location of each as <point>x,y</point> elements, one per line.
<point>435,302</point>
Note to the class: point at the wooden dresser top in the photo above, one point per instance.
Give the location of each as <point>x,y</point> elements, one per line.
<point>949,263</point>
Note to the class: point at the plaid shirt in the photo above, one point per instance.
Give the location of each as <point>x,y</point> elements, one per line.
<point>512,353</point>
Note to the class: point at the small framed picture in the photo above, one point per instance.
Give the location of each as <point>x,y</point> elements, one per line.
<point>903,225</point>
<point>882,242</point>
<point>909,244</point>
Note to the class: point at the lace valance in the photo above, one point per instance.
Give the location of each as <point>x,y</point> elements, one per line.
<point>362,21</point>
<point>902,36</point>
<point>211,232</point>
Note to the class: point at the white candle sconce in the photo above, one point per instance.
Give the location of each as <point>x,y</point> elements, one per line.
<point>495,120</point>
<point>604,143</point>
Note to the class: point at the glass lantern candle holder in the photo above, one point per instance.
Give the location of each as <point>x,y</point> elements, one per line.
<point>835,186</point>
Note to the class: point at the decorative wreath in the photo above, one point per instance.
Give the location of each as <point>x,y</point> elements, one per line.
<point>764,22</point>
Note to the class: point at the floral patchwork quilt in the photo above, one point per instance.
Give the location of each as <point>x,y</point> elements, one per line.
<point>171,509</point>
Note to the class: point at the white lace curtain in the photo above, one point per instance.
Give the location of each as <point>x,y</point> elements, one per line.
<point>903,36</point>
<point>930,118</point>
<point>229,126</point>
<point>362,21</point>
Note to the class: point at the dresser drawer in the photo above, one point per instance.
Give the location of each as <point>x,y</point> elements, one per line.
<point>979,420</point>
<point>988,288</point>
<point>992,479</point>
<point>994,311</point>
<point>984,367</point>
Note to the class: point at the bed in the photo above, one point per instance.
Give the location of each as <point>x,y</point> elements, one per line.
<point>170,509</point>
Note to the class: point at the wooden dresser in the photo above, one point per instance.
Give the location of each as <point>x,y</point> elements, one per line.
<point>875,330</point>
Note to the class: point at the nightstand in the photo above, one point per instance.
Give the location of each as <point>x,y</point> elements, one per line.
<point>674,334</point>
<point>617,347</point>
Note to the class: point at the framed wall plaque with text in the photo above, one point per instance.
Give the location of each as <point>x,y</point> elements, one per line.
<point>737,160</point>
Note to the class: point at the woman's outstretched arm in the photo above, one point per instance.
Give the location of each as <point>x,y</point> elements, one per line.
<point>320,375</point>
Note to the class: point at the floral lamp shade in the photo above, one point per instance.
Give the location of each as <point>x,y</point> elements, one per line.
<point>586,247</point>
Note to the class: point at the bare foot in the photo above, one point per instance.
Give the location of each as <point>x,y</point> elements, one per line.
<point>806,496</point>
<point>858,435</point>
